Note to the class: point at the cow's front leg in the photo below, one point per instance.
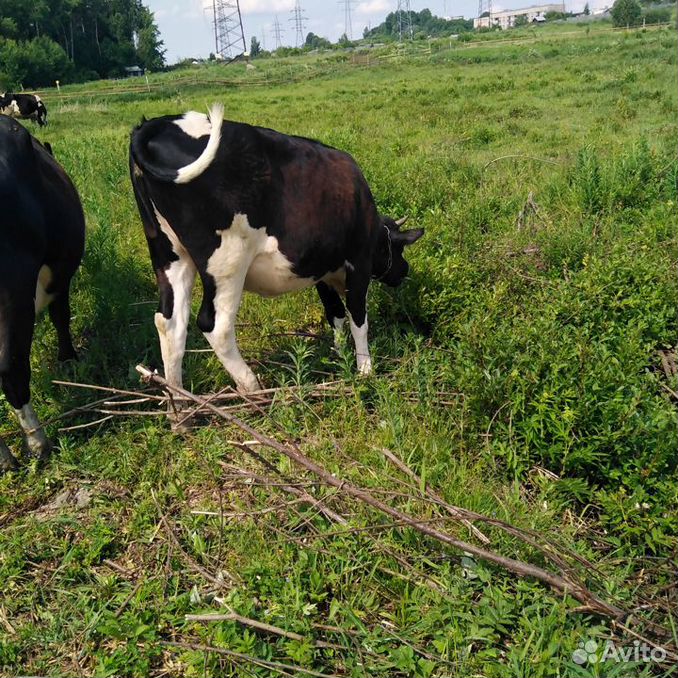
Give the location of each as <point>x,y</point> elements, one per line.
<point>334,309</point>
<point>175,284</point>
<point>357,282</point>
<point>217,322</point>
<point>34,435</point>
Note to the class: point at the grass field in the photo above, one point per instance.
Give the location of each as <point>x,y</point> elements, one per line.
<point>518,372</point>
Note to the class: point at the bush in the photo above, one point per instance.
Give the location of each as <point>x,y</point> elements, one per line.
<point>626,13</point>
<point>657,15</point>
<point>32,63</point>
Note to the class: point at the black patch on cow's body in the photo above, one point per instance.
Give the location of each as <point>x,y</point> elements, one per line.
<point>41,224</point>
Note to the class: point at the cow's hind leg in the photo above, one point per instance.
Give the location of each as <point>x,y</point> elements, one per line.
<point>16,378</point>
<point>176,285</point>
<point>60,314</point>
<point>334,309</point>
<point>357,282</point>
<point>217,322</point>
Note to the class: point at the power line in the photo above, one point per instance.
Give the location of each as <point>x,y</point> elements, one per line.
<point>404,14</point>
<point>277,32</point>
<point>229,35</point>
<point>485,6</point>
<point>348,27</point>
<point>299,23</point>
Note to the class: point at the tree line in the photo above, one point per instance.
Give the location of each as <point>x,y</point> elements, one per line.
<point>75,40</point>
<point>424,24</point>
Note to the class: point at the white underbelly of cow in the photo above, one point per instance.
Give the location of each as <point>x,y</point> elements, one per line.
<point>270,273</point>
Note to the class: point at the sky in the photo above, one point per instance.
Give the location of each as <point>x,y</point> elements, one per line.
<point>186,25</point>
<point>187,31</point>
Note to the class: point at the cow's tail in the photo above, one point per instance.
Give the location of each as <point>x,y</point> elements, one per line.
<point>183,175</point>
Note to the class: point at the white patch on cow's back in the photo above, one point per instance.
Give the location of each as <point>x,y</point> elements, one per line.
<point>194,124</point>
<point>37,98</point>
<point>42,298</point>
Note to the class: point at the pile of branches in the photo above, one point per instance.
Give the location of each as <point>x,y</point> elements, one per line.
<point>562,570</point>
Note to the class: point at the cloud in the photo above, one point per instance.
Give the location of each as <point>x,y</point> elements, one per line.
<point>373,7</point>
<point>265,6</point>
<point>259,6</point>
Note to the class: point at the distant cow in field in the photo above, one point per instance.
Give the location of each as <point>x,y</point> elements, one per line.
<point>249,208</point>
<point>42,235</point>
<point>25,106</point>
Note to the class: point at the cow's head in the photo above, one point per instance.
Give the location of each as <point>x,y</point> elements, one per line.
<point>388,263</point>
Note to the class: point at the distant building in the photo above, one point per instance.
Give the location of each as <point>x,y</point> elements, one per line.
<point>134,71</point>
<point>507,18</point>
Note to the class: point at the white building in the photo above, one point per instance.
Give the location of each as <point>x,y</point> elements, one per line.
<point>507,18</point>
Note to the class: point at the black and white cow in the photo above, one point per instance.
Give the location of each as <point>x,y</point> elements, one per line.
<point>42,235</point>
<point>25,106</point>
<point>248,208</point>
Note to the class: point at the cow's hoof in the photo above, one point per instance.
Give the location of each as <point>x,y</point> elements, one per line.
<point>251,385</point>
<point>67,355</point>
<point>8,461</point>
<point>180,416</point>
<point>181,423</point>
<point>38,447</point>
<point>365,368</point>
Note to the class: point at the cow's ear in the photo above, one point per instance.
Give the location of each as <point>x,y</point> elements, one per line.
<point>408,237</point>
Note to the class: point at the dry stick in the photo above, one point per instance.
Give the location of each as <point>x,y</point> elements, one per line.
<point>528,536</point>
<point>559,583</point>
<point>669,390</point>
<point>192,563</point>
<point>452,510</point>
<point>128,598</point>
<point>118,568</point>
<point>277,666</point>
<point>335,517</point>
<point>108,389</point>
<point>89,424</point>
<point>261,626</point>
<point>668,655</point>
<point>315,502</point>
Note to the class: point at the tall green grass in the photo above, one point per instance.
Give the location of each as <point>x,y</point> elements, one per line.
<point>517,372</point>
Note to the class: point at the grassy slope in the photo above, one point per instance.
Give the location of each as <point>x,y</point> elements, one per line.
<point>547,334</point>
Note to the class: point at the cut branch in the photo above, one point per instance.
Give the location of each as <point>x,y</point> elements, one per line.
<point>562,584</point>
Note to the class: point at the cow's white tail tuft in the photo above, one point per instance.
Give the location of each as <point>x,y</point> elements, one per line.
<point>200,164</point>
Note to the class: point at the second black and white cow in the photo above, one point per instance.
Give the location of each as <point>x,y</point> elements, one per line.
<point>24,106</point>
<point>248,208</point>
<point>42,233</point>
